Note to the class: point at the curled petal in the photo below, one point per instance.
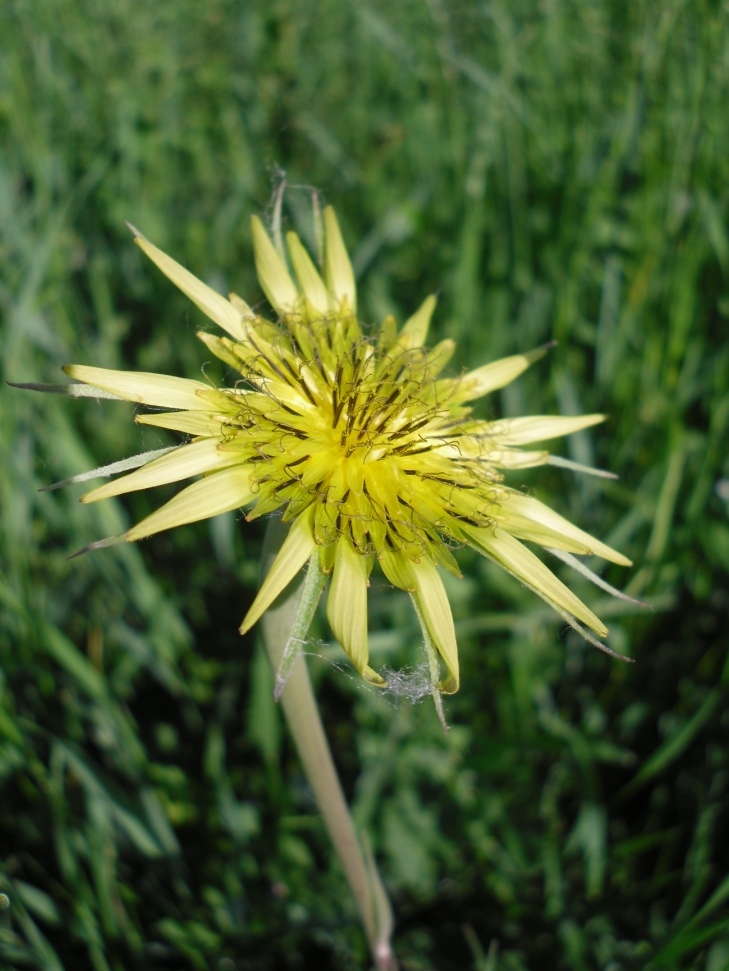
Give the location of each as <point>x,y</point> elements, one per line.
<point>347,606</point>
<point>397,569</point>
<point>432,600</point>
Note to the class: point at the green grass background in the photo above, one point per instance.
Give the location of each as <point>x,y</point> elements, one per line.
<point>555,170</point>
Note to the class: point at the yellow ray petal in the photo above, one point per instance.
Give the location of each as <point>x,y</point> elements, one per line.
<point>396,568</point>
<point>272,273</point>
<point>347,606</point>
<point>388,332</point>
<point>531,532</point>
<point>515,459</point>
<point>184,462</point>
<point>218,493</point>
<point>144,387</point>
<point>439,356</point>
<point>497,374</point>
<point>339,273</point>
<point>297,548</point>
<point>222,348</point>
<point>240,305</point>
<point>308,275</point>
<point>188,422</point>
<point>213,304</point>
<point>508,552</point>
<point>543,515</point>
<point>114,468</point>
<point>539,428</point>
<point>433,602</point>
<point>415,330</point>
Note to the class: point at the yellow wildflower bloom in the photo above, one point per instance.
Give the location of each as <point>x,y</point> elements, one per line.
<point>369,454</point>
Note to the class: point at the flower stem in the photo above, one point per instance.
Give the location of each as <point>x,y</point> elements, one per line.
<point>285,627</point>
<point>309,596</point>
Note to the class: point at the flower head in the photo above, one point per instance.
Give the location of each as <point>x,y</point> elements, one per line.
<point>369,454</point>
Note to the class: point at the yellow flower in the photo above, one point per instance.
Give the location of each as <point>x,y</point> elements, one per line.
<point>369,454</point>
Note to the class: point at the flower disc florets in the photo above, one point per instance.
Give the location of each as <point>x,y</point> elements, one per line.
<point>363,432</point>
<point>370,454</point>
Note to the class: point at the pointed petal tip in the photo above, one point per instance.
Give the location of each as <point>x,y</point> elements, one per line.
<point>611,653</point>
<point>136,233</point>
<point>372,677</point>
<point>240,305</point>
<point>338,267</point>
<point>539,352</point>
<point>271,270</point>
<point>559,462</point>
<point>310,281</point>
<point>100,544</point>
<point>449,687</point>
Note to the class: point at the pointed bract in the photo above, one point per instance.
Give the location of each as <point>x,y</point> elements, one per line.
<point>182,463</point>
<point>114,468</point>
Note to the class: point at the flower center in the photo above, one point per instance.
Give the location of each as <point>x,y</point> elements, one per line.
<point>364,432</point>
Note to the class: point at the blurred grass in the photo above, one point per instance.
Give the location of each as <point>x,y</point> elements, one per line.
<point>556,171</point>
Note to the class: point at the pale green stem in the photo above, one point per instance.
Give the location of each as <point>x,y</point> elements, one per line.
<point>311,591</point>
<point>285,627</point>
